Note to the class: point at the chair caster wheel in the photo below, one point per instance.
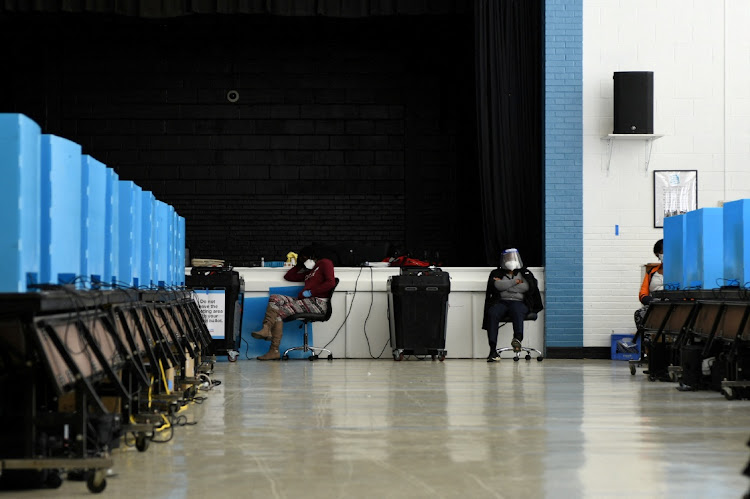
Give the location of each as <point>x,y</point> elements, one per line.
<point>285,357</point>
<point>528,357</point>
<point>330,356</point>
<point>312,357</point>
<point>515,359</point>
<point>540,358</point>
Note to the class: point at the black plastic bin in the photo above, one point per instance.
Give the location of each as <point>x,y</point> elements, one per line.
<point>227,284</point>
<point>417,312</point>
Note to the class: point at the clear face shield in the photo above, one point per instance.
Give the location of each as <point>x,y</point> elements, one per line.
<point>511,259</point>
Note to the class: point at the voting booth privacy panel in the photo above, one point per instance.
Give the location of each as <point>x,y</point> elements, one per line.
<point>708,248</point>
<point>70,219</point>
<point>698,330</point>
<point>99,340</point>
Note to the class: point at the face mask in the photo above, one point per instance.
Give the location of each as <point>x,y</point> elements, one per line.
<point>661,257</point>
<point>511,265</point>
<point>309,264</point>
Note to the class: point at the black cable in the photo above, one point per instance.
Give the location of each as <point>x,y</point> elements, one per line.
<point>247,347</point>
<point>171,436</point>
<point>372,298</point>
<point>351,305</point>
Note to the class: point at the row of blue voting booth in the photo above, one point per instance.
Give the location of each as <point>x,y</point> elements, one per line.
<point>697,332</point>
<point>99,341</point>
<point>69,218</point>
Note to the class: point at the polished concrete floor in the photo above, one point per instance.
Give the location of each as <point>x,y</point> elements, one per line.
<point>453,429</point>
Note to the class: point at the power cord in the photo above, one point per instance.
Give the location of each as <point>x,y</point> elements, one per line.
<point>351,305</point>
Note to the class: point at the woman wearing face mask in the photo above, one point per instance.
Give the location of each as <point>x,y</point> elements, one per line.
<point>317,274</point>
<point>511,291</point>
<point>653,281</point>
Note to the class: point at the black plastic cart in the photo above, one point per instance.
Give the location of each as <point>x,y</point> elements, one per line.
<point>417,312</point>
<point>230,287</point>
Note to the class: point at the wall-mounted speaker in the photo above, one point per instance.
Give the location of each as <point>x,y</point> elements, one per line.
<point>634,102</point>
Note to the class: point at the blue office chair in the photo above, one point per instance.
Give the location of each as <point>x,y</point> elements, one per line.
<point>306,318</point>
<point>530,316</point>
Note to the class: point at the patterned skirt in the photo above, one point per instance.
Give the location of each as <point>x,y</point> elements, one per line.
<point>287,305</point>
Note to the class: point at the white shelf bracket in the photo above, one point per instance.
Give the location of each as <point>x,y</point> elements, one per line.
<point>648,139</point>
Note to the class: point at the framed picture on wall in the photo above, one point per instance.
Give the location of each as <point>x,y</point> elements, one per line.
<point>675,193</point>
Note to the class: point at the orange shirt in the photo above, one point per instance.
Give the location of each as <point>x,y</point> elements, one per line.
<point>647,282</point>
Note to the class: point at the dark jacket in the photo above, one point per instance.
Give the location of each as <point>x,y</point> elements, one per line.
<point>532,298</point>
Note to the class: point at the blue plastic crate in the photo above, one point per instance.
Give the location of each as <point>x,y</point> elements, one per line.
<point>622,348</point>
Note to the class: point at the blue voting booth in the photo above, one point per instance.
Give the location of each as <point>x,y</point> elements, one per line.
<point>20,161</point>
<point>93,217</point>
<point>60,205</point>
<point>704,243</point>
<point>674,247</point>
<point>737,243</point>
<point>708,248</point>
<point>69,219</point>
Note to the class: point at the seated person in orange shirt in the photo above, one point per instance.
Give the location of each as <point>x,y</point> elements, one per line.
<point>653,281</point>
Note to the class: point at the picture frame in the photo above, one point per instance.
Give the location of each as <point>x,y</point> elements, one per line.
<point>675,193</point>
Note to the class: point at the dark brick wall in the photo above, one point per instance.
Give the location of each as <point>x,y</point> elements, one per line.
<point>345,131</point>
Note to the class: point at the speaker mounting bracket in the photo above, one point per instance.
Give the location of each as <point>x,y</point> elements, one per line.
<point>648,139</point>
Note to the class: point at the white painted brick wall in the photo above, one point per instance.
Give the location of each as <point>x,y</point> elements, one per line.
<point>699,52</point>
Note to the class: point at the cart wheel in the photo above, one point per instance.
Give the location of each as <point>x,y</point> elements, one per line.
<point>441,357</point>
<point>540,358</point>
<point>632,369</point>
<point>96,482</point>
<point>330,356</point>
<point>285,357</point>
<point>312,357</point>
<point>516,358</point>
<point>232,356</point>
<point>53,480</point>
<point>398,356</point>
<point>528,356</point>
<point>141,442</point>
<point>672,376</point>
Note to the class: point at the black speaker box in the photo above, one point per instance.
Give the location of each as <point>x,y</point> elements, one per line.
<point>634,102</point>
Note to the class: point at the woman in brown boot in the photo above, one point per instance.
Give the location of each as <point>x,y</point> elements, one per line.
<point>317,274</point>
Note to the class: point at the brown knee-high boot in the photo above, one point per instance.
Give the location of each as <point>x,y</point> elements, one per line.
<point>264,333</point>
<point>273,350</point>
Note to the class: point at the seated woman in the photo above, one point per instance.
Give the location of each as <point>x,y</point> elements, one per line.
<point>512,290</point>
<point>317,274</point>
<point>653,281</point>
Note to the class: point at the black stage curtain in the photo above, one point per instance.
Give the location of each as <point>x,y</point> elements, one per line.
<point>508,40</point>
<point>175,8</point>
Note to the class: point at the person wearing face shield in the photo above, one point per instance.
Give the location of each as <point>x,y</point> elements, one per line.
<point>653,281</point>
<point>512,290</point>
<point>318,275</point>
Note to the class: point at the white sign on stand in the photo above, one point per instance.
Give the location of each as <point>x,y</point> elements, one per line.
<point>211,303</point>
